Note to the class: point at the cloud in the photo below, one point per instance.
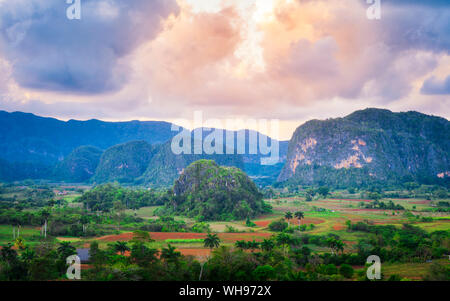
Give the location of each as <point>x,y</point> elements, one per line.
<point>311,51</point>
<point>425,26</point>
<point>434,86</point>
<point>292,60</point>
<point>429,3</point>
<point>51,52</point>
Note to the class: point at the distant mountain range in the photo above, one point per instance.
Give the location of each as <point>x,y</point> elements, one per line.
<point>365,147</point>
<point>135,152</point>
<point>29,138</point>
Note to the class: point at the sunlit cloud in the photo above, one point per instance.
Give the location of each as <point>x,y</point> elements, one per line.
<point>286,59</point>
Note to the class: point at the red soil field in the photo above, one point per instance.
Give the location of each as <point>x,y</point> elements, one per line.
<point>421,202</point>
<point>195,252</point>
<point>14,248</point>
<point>389,221</point>
<point>225,237</point>
<point>355,200</point>
<point>85,266</point>
<point>307,221</point>
<point>154,235</point>
<point>233,237</point>
<point>362,209</point>
<point>263,223</point>
<point>176,235</point>
<point>312,220</point>
<point>338,227</point>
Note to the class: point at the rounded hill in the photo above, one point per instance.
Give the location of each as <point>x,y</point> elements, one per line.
<point>207,191</point>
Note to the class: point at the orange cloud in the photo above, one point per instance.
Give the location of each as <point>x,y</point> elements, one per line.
<point>286,59</point>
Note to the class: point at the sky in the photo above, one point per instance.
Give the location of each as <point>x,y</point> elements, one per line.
<point>290,60</point>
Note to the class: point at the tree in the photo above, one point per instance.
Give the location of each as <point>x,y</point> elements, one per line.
<point>141,236</point>
<point>348,223</point>
<point>437,272</point>
<point>121,247</point>
<point>311,192</point>
<point>410,186</point>
<point>330,269</point>
<point>65,249</point>
<point>288,216</point>
<point>374,196</point>
<point>19,243</point>
<point>264,273</point>
<point>212,241</point>
<point>142,255</point>
<point>170,255</point>
<point>323,191</point>
<point>284,240</point>
<point>299,215</point>
<point>241,244</point>
<point>335,245</point>
<point>85,220</point>
<point>28,255</point>
<point>267,245</point>
<point>278,225</point>
<point>253,245</point>
<point>118,208</point>
<point>269,193</point>
<point>45,214</point>
<point>14,223</point>
<point>346,270</point>
<point>249,223</point>
<point>308,198</point>
<point>8,254</point>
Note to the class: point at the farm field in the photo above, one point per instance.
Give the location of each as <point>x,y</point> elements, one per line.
<point>322,217</point>
<point>329,216</point>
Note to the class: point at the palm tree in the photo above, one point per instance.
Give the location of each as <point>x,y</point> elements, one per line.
<point>65,249</point>
<point>335,245</point>
<point>241,244</point>
<point>28,255</point>
<point>212,241</point>
<point>14,224</point>
<point>284,240</point>
<point>340,246</point>
<point>169,254</point>
<point>45,214</point>
<point>85,220</point>
<point>267,245</point>
<point>121,246</point>
<point>288,216</point>
<point>118,209</point>
<point>299,215</point>
<point>253,245</point>
<point>8,254</point>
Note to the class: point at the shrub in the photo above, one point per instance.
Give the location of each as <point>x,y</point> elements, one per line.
<point>264,273</point>
<point>278,226</point>
<point>201,227</point>
<point>346,270</point>
<point>395,277</point>
<point>331,269</point>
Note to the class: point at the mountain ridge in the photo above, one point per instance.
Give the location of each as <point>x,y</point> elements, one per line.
<point>368,145</point>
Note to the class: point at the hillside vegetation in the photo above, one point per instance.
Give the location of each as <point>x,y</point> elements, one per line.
<point>370,146</point>
<point>207,191</point>
<point>79,166</point>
